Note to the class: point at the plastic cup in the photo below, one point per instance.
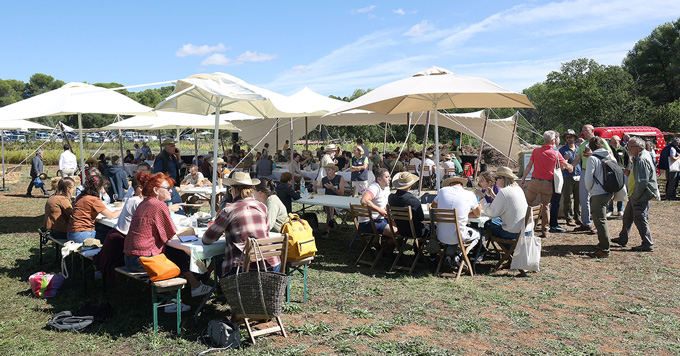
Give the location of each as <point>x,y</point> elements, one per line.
<point>321,191</point>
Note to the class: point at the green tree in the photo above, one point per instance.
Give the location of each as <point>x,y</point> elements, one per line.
<point>654,63</point>
<point>40,83</point>
<point>11,91</point>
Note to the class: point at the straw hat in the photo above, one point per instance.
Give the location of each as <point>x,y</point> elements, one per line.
<point>448,181</point>
<point>91,160</point>
<point>404,180</point>
<point>220,160</point>
<point>168,141</point>
<point>241,178</point>
<point>505,172</point>
<point>43,176</point>
<point>429,155</point>
<point>331,147</point>
<point>448,157</point>
<point>331,166</point>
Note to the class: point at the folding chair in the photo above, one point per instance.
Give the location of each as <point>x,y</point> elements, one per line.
<point>449,172</point>
<point>405,214</point>
<point>270,247</point>
<point>361,211</point>
<point>411,168</point>
<point>451,216</point>
<point>506,247</point>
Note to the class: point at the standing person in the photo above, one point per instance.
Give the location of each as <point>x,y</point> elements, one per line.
<point>265,150</point>
<point>584,152</point>
<point>642,188</point>
<point>146,151</point>
<point>375,158</point>
<point>333,185</point>
<point>359,169</point>
<point>36,170</point>
<point>543,160</point>
<point>572,204</point>
<point>58,208</point>
<point>623,160</point>
<point>360,143</point>
<point>453,195</point>
<point>286,146</point>
<point>67,162</point>
<point>139,154</point>
<point>244,218</point>
<point>556,198</point>
<point>167,161</point>
<point>599,198</point>
<point>672,173</point>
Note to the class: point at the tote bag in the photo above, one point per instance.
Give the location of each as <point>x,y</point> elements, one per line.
<point>527,255</point>
<point>558,180</point>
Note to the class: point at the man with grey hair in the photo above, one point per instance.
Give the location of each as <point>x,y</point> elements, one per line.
<point>36,170</point>
<point>584,152</point>
<point>642,187</point>
<point>543,160</point>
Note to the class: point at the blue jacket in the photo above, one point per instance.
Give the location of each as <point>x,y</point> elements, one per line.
<point>571,155</point>
<point>119,183</point>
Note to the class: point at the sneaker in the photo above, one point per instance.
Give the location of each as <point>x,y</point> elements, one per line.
<point>609,214</point>
<point>583,228</point>
<point>202,289</point>
<point>619,213</point>
<point>600,254</point>
<point>642,249</point>
<point>557,229</point>
<point>172,308</point>
<point>619,242</point>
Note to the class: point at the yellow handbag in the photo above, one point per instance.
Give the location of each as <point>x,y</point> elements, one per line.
<point>159,267</point>
<point>301,243</point>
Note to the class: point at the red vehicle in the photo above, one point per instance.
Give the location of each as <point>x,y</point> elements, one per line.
<point>647,133</point>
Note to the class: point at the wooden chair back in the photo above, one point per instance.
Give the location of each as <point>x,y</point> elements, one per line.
<point>450,216</point>
<point>365,212</point>
<point>272,246</point>
<point>411,168</point>
<point>405,214</point>
<point>449,172</point>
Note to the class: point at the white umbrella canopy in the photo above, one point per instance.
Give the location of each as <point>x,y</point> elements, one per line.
<point>170,120</point>
<point>72,99</point>
<point>433,89</point>
<point>22,125</point>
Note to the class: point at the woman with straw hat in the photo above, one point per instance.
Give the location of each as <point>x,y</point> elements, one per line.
<point>402,198</point>
<point>244,218</point>
<point>332,184</point>
<point>509,204</point>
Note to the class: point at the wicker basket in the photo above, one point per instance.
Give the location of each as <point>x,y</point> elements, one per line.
<point>256,294</point>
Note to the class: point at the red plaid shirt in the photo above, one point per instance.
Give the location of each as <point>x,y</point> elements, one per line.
<point>239,221</point>
<point>150,228</point>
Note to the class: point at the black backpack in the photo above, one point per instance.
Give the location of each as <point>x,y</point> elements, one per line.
<point>612,176</point>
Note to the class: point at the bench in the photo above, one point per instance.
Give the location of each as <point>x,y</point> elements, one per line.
<point>163,293</point>
<point>45,237</point>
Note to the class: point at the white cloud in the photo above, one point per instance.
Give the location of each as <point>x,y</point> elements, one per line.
<point>366,9</point>
<point>419,29</point>
<point>399,11</point>
<point>193,50</point>
<point>248,56</point>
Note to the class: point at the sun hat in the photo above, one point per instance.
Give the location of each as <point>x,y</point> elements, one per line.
<point>91,160</point>
<point>505,172</point>
<point>448,181</point>
<point>220,160</point>
<point>448,157</point>
<point>43,176</point>
<point>404,180</point>
<point>168,141</point>
<point>570,132</point>
<point>331,147</point>
<point>241,178</point>
<point>332,166</point>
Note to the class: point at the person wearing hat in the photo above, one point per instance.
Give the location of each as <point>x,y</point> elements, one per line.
<point>244,218</point>
<point>453,195</point>
<point>359,169</point>
<point>167,161</point>
<point>402,198</point>
<point>333,185</point>
<point>623,159</point>
<point>36,170</point>
<point>328,158</point>
<point>571,205</point>
<point>222,170</point>
<point>509,204</point>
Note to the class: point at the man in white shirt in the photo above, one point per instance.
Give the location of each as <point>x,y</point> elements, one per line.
<point>327,159</point>
<point>415,161</point>
<point>376,197</point>
<point>454,196</point>
<point>194,177</point>
<point>67,162</point>
<point>429,170</point>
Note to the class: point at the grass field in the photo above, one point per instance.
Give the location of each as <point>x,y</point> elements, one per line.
<point>627,304</point>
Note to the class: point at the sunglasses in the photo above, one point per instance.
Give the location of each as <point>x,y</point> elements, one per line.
<point>166,188</point>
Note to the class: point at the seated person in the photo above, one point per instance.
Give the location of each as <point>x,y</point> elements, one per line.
<point>118,179</point>
<point>264,167</point>
<point>487,186</point>
<point>111,255</point>
<point>285,191</point>
<point>376,197</point>
<point>509,204</point>
<point>276,211</point>
<point>193,177</point>
<point>450,162</point>
<point>142,167</point>
<point>333,184</point>
<point>403,198</point>
<point>86,208</point>
<point>129,157</point>
<point>454,196</point>
<point>244,218</point>
<point>206,167</point>
<point>58,208</point>
<point>151,227</point>
<point>295,170</point>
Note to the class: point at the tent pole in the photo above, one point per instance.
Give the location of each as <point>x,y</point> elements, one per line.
<point>436,144</point>
<point>385,140</point>
<point>277,136</point>
<point>4,171</point>
<point>291,141</point>
<point>422,166</point>
<point>408,129</point>
<point>120,144</point>
<point>306,135</point>
<point>82,156</point>
<point>481,145</point>
<point>512,139</point>
<point>213,196</point>
<point>160,139</point>
<point>195,148</point>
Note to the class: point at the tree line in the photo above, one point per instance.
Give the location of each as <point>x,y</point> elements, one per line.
<point>643,91</point>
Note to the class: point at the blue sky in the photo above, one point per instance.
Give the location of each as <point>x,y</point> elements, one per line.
<point>333,47</point>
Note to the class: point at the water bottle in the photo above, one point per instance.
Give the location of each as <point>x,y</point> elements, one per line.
<point>303,188</point>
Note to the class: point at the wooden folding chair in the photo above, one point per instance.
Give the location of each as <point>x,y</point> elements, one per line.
<point>411,168</point>
<point>449,172</point>
<point>361,211</point>
<point>506,247</point>
<point>450,216</point>
<point>270,247</point>
<point>401,238</point>
<point>346,213</point>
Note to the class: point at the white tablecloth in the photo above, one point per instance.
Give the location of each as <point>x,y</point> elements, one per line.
<point>203,190</point>
<point>277,173</point>
<point>329,200</point>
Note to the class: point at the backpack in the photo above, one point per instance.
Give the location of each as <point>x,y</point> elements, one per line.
<point>301,243</point>
<point>663,158</point>
<point>66,321</point>
<point>612,175</point>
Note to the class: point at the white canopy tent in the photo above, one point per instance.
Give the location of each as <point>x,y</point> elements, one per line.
<point>169,121</point>
<point>71,99</point>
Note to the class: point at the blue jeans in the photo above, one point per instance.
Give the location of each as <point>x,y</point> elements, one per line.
<point>133,264</point>
<point>80,236</point>
<point>380,226</point>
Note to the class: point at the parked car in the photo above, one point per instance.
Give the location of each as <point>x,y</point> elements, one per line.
<point>18,138</point>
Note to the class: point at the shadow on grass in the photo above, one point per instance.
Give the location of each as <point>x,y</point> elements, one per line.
<point>566,250</point>
<point>21,224</point>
